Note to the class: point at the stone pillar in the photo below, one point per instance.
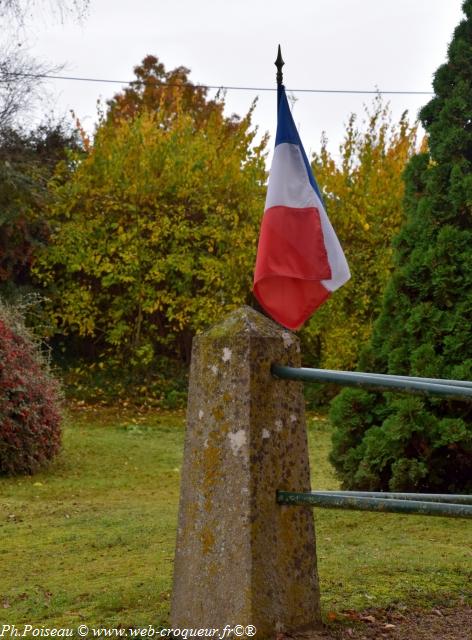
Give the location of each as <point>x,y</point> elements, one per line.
<point>241,559</point>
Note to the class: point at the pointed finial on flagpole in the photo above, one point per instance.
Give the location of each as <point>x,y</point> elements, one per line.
<point>279,63</point>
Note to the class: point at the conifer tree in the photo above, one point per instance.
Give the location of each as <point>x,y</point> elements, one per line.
<point>388,441</point>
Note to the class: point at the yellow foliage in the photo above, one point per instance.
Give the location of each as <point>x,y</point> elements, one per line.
<point>155,231</point>
<point>363,194</point>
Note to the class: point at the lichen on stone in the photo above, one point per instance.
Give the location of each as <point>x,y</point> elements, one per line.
<point>237,441</point>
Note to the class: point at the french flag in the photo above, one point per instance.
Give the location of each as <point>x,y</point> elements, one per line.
<point>299,259</point>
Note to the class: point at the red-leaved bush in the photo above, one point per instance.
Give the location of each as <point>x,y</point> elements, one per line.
<point>30,424</point>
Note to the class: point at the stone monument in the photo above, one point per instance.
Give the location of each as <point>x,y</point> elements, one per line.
<point>242,559</point>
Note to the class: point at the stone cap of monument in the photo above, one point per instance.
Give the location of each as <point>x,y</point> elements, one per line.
<point>247,321</point>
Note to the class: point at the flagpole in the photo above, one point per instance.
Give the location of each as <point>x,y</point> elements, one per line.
<point>279,63</point>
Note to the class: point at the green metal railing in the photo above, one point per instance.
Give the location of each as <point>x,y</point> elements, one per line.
<point>384,504</point>
<point>383,382</point>
<point>450,506</point>
<point>456,498</point>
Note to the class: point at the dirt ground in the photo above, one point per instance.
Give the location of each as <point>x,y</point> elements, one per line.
<point>436,624</point>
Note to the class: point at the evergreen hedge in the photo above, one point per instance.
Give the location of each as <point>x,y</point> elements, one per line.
<point>393,442</point>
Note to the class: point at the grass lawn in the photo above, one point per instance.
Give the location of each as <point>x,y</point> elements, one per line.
<point>92,540</point>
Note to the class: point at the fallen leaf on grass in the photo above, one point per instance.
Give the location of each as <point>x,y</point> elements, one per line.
<point>367,618</point>
<point>387,625</point>
<point>400,616</point>
<point>352,615</point>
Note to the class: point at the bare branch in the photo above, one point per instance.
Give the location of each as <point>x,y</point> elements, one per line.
<point>19,12</point>
<point>20,84</point>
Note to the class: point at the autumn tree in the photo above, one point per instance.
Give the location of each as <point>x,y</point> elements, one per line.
<point>27,163</point>
<point>383,441</point>
<point>154,232</point>
<point>156,89</point>
<point>363,193</point>
<point>28,154</point>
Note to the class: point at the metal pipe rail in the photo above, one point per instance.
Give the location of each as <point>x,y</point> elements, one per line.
<point>457,498</point>
<point>391,376</point>
<point>383,505</point>
<point>384,382</point>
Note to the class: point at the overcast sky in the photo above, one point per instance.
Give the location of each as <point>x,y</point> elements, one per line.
<point>326,44</point>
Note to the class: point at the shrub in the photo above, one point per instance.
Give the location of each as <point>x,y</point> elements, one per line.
<point>382,441</point>
<point>398,444</point>
<point>30,433</point>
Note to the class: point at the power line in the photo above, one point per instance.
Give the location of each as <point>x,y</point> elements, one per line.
<point>221,87</point>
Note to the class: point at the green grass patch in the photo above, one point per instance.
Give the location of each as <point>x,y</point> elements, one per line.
<point>92,539</point>
<point>385,560</point>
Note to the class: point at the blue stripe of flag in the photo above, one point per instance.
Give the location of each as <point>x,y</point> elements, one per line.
<point>287,132</point>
